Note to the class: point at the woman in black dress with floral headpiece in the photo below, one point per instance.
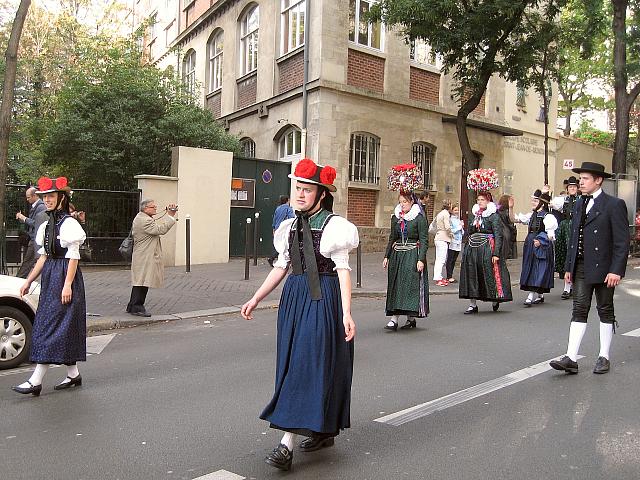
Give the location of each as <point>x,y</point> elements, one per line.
<point>59,327</point>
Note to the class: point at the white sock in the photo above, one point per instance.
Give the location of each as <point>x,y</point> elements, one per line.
<point>473,303</point>
<point>72,371</point>
<point>567,286</point>
<point>393,321</point>
<point>576,332</point>
<point>36,376</point>
<point>606,335</point>
<point>288,439</point>
<point>531,296</point>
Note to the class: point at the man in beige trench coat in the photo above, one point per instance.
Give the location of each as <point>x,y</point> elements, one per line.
<point>147,267</point>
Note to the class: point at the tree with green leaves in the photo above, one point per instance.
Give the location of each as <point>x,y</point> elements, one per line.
<point>117,117</point>
<point>477,40</point>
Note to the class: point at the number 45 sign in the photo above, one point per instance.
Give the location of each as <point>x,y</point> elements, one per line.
<point>567,164</point>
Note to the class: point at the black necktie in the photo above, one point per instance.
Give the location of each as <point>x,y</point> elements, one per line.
<point>313,277</point>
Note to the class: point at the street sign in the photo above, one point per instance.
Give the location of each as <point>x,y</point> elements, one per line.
<point>567,163</point>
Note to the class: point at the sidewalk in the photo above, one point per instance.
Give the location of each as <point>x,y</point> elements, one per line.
<point>219,288</point>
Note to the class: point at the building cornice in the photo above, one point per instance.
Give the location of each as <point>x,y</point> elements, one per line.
<point>205,20</point>
<point>489,127</point>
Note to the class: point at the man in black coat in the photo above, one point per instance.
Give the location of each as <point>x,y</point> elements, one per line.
<point>596,262</point>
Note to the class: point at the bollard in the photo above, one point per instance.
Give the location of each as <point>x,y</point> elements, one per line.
<point>256,233</point>
<point>187,223</point>
<point>247,243</point>
<point>359,266</point>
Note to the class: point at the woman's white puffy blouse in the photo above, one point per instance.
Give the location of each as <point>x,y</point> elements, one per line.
<point>339,237</point>
<point>71,237</point>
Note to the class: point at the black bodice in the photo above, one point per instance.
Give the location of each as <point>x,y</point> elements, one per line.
<point>325,265</point>
<point>536,223</point>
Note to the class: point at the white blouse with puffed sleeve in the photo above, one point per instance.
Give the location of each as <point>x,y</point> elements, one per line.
<point>71,237</point>
<point>339,237</point>
<point>281,243</point>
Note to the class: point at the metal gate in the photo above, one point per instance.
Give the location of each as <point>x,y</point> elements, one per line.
<point>271,181</point>
<point>108,215</point>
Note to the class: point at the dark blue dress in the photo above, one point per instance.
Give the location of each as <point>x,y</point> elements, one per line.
<point>537,262</point>
<point>59,331</point>
<point>314,363</point>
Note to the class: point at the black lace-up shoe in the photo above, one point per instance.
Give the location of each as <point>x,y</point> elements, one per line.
<point>281,457</point>
<point>312,444</point>
<point>566,364</point>
<point>602,365</point>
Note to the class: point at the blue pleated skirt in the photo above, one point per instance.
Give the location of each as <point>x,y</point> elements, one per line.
<point>59,331</point>
<point>314,364</point>
<point>538,267</point>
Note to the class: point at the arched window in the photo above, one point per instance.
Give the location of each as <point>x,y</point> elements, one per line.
<point>248,147</point>
<point>364,164</point>
<point>293,24</point>
<point>290,144</point>
<point>422,155</point>
<point>249,24</point>
<point>214,48</point>
<point>189,71</point>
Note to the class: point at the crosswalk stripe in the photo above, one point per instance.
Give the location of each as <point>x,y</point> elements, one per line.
<point>220,475</point>
<point>633,333</point>
<point>413,413</point>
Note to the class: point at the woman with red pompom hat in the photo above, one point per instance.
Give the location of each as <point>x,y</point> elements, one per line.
<point>60,325</point>
<point>315,329</point>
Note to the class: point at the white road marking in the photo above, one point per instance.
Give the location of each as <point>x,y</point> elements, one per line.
<point>13,371</point>
<point>98,343</point>
<point>220,475</point>
<point>633,333</point>
<point>442,403</point>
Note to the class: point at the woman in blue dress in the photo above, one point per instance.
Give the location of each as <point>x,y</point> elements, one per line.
<point>59,327</point>
<point>537,252</point>
<point>315,330</point>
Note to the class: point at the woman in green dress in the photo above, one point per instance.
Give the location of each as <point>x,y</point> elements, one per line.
<point>483,273</point>
<point>405,261</point>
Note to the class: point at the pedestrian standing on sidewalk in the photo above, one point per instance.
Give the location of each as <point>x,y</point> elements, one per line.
<point>442,240</point>
<point>483,274</point>
<point>60,325</point>
<point>596,262</point>
<point>405,261</point>
<point>315,330</point>
<point>36,217</point>
<point>147,263</point>
<point>538,270</point>
<point>283,211</point>
<point>457,230</point>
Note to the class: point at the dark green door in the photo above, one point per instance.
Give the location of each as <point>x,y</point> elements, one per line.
<point>271,182</point>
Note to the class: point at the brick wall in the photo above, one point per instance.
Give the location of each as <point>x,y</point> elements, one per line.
<point>193,12</point>
<point>291,72</point>
<point>361,207</point>
<point>214,103</point>
<point>479,110</point>
<point>424,86</point>
<point>247,91</point>
<point>365,71</point>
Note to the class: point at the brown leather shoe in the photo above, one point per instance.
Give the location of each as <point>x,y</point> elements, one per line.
<point>602,365</point>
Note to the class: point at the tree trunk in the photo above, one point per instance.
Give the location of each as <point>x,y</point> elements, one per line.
<point>624,99</point>
<point>11,58</point>
<point>567,126</point>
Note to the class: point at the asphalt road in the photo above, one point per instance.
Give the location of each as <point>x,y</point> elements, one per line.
<point>180,400</point>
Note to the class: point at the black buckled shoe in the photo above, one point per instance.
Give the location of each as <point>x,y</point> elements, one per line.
<point>602,365</point>
<point>393,327</point>
<point>538,301</point>
<point>527,303</point>
<point>565,295</point>
<point>411,323</point>
<point>495,306</point>
<point>564,364</point>
<point>281,457</point>
<point>31,389</point>
<point>312,444</point>
<point>471,310</point>
<point>68,384</point>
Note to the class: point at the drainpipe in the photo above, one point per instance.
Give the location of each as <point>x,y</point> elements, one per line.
<point>305,99</point>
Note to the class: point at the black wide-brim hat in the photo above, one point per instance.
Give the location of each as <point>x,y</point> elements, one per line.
<point>572,181</point>
<point>593,168</point>
<point>49,185</point>
<point>545,197</point>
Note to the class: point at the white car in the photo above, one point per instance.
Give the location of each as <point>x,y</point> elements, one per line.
<point>16,317</point>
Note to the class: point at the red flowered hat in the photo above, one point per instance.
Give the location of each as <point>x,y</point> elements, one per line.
<point>308,171</point>
<point>48,185</point>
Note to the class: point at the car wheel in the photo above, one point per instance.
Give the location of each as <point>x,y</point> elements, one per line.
<point>15,337</point>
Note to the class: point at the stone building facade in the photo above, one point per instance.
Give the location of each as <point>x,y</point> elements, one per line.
<point>372,100</point>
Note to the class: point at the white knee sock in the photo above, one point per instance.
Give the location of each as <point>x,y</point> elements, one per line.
<point>288,439</point>
<point>531,296</point>
<point>36,376</point>
<point>576,332</point>
<point>606,335</point>
<point>72,371</point>
<point>567,286</point>
<point>473,303</point>
<point>393,321</point>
